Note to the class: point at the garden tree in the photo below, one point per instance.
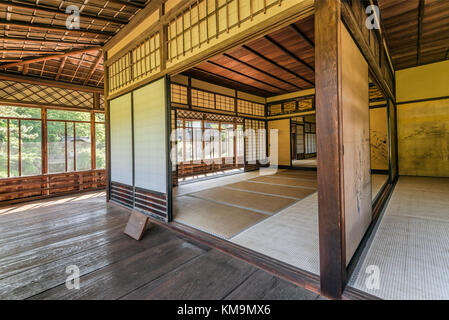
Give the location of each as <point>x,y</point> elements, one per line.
<point>31,141</point>
<point>31,135</point>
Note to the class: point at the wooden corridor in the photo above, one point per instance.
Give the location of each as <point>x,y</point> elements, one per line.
<point>39,240</point>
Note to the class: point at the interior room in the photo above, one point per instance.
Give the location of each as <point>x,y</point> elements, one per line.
<point>261,144</point>
<point>230,180</point>
<point>232,109</point>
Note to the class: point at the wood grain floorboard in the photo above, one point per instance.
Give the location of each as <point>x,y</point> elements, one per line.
<point>40,239</point>
<point>264,286</point>
<point>209,277</point>
<point>118,279</point>
<point>42,278</point>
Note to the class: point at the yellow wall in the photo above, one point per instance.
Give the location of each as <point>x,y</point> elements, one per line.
<point>283,127</point>
<point>423,136</point>
<point>424,82</point>
<point>423,127</point>
<point>379,138</point>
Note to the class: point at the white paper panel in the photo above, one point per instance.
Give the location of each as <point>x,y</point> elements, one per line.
<point>150,143</point>
<point>121,139</point>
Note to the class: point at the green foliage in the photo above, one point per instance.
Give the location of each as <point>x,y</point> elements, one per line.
<point>31,140</point>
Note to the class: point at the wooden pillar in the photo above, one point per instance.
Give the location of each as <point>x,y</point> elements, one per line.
<point>108,133</point>
<point>93,149</point>
<point>330,147</point>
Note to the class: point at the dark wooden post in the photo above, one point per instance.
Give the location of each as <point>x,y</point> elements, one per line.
<point>108,131</point>
<point>330,148</point>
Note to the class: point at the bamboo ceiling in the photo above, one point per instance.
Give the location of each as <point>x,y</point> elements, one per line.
<point>34,40</point>
<point>416,30</point>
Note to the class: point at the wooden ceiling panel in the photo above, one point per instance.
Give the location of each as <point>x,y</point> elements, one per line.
<point>277,63</point>
<point>417,31</point>
<point>37,28</point>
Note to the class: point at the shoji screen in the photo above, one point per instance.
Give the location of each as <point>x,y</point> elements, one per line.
<point>121,150</point>
<point>150,148</point>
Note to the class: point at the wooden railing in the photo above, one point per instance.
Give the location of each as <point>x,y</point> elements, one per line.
<point>187,169</point>
<point>20,189</point>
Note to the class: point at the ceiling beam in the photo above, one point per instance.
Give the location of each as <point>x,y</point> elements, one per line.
<point>262,71</point>
<point>130,4</point>
<point>95,66</point>
<point>61,67</point>
<point>266,92</point>
<point>420,20</point>
<point>46,27</point>
<point>277,64</point>
<point>57,11</point>
<point>302,35</point>
<point>152,6</point>
<point>247,76</point>
<point>49,83</point>
<point>55,56</point>
<point>288,52</point>
<point>37,41</point>
<point>26,51</point>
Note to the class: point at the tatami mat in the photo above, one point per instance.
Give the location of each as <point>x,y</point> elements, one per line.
<point>214,218</point>
<point>286,181</point>
<point>250,200</point>
<point>290,236</point>
<point>410,247</point>
<point>297,193</point>
<point>216,182</point>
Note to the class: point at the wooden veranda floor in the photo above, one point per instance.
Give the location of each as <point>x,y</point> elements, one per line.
<point>39,240</point>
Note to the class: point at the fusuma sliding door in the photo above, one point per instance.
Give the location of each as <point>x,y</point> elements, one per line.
<point>139,124</point>
<point>152,181</point>
<point>121,180</point>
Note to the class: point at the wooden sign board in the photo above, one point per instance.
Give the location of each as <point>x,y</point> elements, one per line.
<point>137,224</point>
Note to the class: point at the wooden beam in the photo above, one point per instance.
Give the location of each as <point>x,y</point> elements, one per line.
<point>135,21</point>
<point>262,71</point>
<point>330,148</point>
<point>356,32</point>
<point>9,102</point>
<point>45,58</point>
<point>246,76</point>
<point>232,80</point>
<point>46,27</point>
<point>95,66</point>
<point>59,12</point>
<point>26,51</point>
<point>302,35</point>
<point>49,83</point>
<point>129,3</point>
<point>288,52</point>
<point>277,64</point>
<point>61,67</point>
<point>420,20</point>
<point>38,41</point>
